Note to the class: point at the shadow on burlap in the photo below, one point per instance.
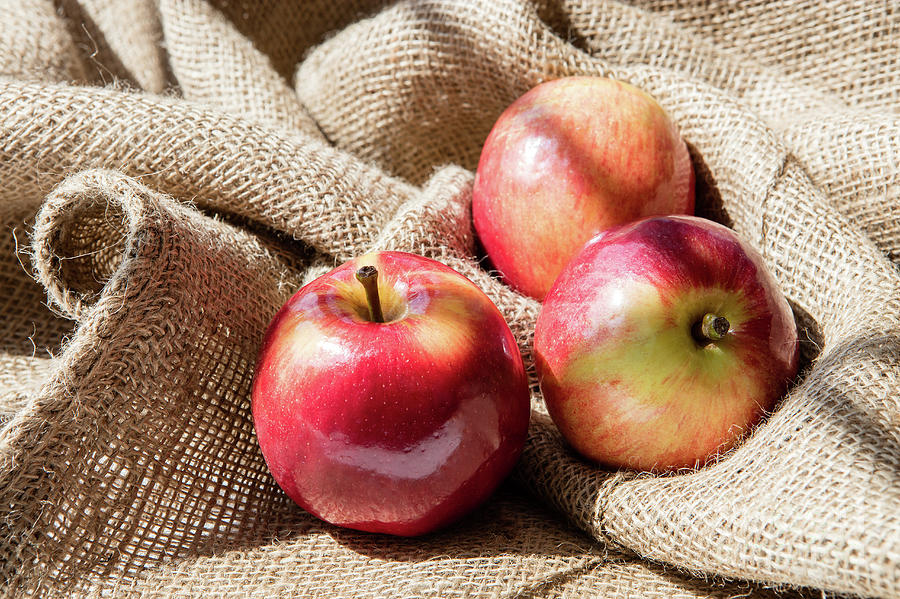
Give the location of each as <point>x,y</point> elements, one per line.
<point>164,230</point>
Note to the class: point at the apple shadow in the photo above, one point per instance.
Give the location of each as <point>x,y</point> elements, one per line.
<point>512,525</point>
<point>509,522</point>
<point>809,336</point>
<point>707,198</point>
<point>481,256</point>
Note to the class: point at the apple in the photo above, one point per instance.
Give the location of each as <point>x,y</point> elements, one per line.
<point>663,342</point>
<point>390,395</point>
<point>568,159</point>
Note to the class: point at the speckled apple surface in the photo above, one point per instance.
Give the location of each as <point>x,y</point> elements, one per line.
<point>398,427</point>
<point>621,370</point>
<point>570,158</point>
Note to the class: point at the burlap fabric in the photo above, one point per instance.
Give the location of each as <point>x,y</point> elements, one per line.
<point>172,171</point>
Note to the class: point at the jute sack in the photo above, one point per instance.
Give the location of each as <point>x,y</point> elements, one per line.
<point>133,470</point>
<point>129,465</point>
<point>161,489</point>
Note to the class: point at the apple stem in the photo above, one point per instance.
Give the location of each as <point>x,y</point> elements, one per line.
<point>710,328</point>
<point>368,277</point>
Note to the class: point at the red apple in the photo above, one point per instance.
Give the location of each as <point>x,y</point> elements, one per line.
<point>662,342</point>
<point>568,159</point>
<point>390,395</point>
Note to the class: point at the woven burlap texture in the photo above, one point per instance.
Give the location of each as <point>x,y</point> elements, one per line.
<point>172,171</point>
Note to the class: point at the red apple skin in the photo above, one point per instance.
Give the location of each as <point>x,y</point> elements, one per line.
<point>568,159</point>
<point>621,373</point>
<point>398,427</point>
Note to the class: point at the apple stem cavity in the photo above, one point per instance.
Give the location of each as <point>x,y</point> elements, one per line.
<point>368,277</point>
<point>710,328</point>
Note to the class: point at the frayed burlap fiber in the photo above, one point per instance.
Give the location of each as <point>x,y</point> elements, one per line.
<point>171,171</point>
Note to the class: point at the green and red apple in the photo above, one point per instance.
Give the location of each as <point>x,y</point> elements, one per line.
<point>390,395</point>
<point>662,343</point>
<point>566,160</point>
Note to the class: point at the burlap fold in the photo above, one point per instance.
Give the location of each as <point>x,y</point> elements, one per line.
<point>160,488</point>
<point>162,232</point>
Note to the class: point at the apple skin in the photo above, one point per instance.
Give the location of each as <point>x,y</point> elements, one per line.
<point>398,427</point>
<point>568,159</point>
<point>621,372</point>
